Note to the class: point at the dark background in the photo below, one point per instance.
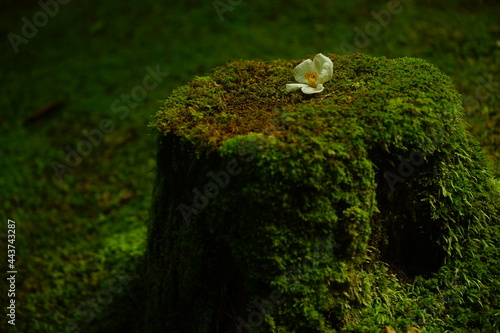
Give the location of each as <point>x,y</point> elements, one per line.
<point>74,234</point>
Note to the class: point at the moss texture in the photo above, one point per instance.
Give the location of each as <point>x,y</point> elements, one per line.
<point>364,206</point>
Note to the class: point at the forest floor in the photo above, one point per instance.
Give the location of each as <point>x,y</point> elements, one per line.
<point>81,221</point>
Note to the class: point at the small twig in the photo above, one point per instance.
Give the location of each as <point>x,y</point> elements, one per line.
<point>43,111</point>
<point>325,96</point>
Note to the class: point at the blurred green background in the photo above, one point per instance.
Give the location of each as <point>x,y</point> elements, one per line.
<point>74,235</point>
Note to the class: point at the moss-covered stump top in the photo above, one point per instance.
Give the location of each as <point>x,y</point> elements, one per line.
<point>393,102</point>
<point>363,206</point>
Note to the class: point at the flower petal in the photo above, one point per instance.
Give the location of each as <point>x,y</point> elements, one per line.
<point>326,73</point>
<point>310,90</point>
<point>319,61</point>
<point>302,69</point>
<point>295,86</point>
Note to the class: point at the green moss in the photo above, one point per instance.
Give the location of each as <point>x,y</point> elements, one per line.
<point>363,206</point>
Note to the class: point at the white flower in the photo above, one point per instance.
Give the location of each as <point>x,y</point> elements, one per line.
<point>312,74</point>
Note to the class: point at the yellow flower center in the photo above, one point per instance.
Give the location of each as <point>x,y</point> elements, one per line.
<point>311,79</point>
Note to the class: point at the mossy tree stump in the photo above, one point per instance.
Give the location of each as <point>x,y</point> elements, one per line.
<point>347,210</point>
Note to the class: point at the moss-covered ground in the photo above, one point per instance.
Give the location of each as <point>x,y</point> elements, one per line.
<point>74,235</point>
